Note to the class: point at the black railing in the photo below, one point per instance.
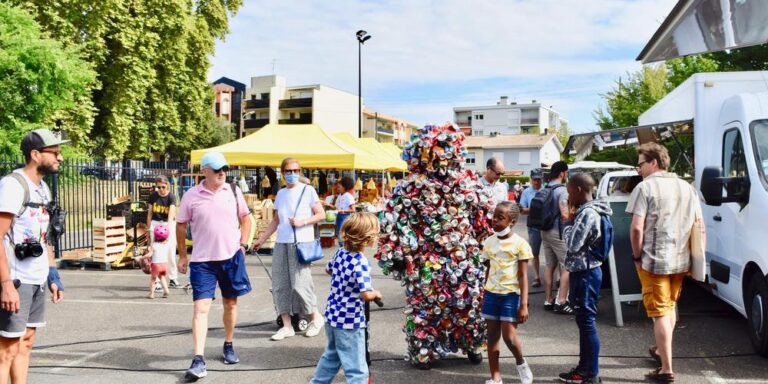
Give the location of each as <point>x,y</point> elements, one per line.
<point>296,103</point>
<point>253,104</point>
<point>300,120</point>
<point>387,131</point>
<point>255,123</point>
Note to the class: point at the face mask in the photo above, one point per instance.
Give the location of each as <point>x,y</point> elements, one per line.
<point>292,178</point>
<point>503,232</point>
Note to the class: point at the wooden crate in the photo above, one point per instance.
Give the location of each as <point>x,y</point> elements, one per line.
<point>109,239</point>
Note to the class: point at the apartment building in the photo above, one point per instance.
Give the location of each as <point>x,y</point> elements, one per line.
<point>507,118</point>
<point>269,100</point>
<point>228,97</point>
<point>387,129</point>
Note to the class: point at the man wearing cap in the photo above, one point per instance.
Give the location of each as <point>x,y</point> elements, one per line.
<point>26,257</point>
<point>494,169</point>
<point>218,215</point>
<point>534,234</point>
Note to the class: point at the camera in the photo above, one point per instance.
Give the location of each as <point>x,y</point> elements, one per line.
<point>29,248</point>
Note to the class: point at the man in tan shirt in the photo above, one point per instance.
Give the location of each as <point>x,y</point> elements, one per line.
<point>664,208</point>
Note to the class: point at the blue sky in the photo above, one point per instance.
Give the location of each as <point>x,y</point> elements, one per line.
<point>426,57</point>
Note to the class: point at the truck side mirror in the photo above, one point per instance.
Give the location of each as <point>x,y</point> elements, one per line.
<point>713,183</point>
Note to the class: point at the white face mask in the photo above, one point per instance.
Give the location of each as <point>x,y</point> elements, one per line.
<point>503,232</point>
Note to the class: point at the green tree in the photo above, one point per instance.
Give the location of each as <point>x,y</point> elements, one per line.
<point>152,59</point>
<point>41,82</point>
<point>680,69</point>
<point>631,97</point>
<point>753,58</point>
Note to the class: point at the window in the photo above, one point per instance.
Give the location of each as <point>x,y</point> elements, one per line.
<point>524,157</point>
<point>760,143</point>
<point>477,132</point>
<point>470,158</point>
<point>734,161</point>
<point>478,117</point>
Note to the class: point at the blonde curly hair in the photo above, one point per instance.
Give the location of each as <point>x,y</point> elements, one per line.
<point>360,230</point>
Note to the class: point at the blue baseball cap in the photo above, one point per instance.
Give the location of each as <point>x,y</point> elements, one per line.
<point>213,160</point>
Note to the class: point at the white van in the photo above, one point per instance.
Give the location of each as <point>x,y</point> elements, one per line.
<point>727,113</point>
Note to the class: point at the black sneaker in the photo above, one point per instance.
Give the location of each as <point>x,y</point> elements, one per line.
<point>564,309</point>
<point>573,377</point>
<point>548,306</point>
<point>197,370</point>
<point>173,284</point>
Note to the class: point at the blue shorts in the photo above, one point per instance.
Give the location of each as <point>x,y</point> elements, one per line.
<point>230,275</point>
<point>500,307</point>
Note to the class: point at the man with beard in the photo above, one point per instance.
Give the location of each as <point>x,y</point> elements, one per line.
<point>26,258</point>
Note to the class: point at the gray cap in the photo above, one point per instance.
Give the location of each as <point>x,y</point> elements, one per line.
<point>536,174</point>
<point>39,139</point>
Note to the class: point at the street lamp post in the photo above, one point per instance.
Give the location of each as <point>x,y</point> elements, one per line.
<point>362,37</point>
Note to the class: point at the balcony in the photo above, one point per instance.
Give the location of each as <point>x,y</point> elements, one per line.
<point>305,102</point>
<point>385,131</point>
<point>300,120</point>
<point>255,123</point>
<point>529,121</point>
<point>464,123</point>
<point>254,104</point>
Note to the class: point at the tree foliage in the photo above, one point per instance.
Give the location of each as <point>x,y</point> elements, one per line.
<point>152,58</point>
<point>41,81</point>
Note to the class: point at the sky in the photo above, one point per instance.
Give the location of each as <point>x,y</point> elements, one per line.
<point>426,57</point>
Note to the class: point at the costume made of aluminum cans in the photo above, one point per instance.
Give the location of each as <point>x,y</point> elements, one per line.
<point>432,228</point>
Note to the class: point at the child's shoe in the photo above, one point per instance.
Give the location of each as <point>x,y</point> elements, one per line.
<point>574,376</point>
<point>151,296</point>
<point>526,376</point>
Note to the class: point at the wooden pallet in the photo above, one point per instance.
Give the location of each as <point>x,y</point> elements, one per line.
<point>109,240</point>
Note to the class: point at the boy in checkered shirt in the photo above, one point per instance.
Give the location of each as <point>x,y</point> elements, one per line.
<point>344,313</point>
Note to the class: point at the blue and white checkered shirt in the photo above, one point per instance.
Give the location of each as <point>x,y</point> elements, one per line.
<point>350,275</point>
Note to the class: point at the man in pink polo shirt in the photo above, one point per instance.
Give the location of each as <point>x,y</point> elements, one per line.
<point>214,210</point>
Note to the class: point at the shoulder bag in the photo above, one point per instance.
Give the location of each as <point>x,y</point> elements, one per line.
<point>309,251</point>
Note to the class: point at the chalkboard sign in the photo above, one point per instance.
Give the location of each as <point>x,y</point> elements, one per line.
<point>625,285</point>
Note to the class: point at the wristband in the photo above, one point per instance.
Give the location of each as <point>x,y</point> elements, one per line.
<point>53,277</point>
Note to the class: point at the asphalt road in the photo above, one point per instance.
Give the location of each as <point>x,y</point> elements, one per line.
<point>107,332</point>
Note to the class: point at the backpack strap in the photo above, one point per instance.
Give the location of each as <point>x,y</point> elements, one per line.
<point>25,203</point>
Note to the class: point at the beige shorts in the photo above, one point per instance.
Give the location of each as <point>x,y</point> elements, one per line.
<point>554,248</point>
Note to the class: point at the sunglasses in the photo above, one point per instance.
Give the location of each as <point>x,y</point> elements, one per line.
<point>222,169</point>
<point>54,153</point>
<point>161,186</point>
<point>289,171</point>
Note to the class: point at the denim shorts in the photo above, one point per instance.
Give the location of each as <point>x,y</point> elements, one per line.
<point>230,275</point>
<point>500,307</point>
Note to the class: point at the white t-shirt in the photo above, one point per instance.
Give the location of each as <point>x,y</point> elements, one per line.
<point>345,201</point>
<point>32,224</point>
<point>162,251</point>
<point>499,190</point>
<point>285,204</point>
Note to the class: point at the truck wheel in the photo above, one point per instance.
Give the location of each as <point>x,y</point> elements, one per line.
<point>757,313</point>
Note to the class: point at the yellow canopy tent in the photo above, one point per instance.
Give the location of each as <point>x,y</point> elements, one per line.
<point>310,144</point>
<point>393,151</point>
<point>375,149</point>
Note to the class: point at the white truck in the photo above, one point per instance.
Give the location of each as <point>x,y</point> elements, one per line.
<point>730,124</point>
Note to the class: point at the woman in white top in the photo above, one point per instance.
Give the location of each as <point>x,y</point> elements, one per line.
<point>345,204</point>
<point>298,209</point>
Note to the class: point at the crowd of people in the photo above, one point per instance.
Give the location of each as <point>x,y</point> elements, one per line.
<point>573,231</point>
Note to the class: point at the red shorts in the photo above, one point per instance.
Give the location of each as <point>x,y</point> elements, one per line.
<point>158,269</point>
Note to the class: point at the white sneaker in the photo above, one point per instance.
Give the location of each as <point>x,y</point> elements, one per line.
<point>314,328</point>
<point>283,333</point>
<point>526,376</point>
<point>490,381</point>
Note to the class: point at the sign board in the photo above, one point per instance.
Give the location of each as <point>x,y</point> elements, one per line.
<point>625,284</point>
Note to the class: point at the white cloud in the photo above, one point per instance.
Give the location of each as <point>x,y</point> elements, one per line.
<point>419,45</point>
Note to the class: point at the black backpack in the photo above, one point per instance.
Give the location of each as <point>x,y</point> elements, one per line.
<point>544,209</point>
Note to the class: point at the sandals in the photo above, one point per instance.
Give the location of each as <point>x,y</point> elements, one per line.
<point>656,375</point>
<point>652,351</point>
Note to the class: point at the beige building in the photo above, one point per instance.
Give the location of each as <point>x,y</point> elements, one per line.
<point>508,118</point>
<point>519,153</point>
<point>387,129</point>
<point>268,100</point>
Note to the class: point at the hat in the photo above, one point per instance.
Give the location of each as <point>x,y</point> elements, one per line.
<point>213,160</point>
<point>39,139</point>
<point>536,174</point>
<point>557,168</point>
<point>161,232</point>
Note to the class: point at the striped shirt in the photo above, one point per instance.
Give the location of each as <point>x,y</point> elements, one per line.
<point>669,206</point>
